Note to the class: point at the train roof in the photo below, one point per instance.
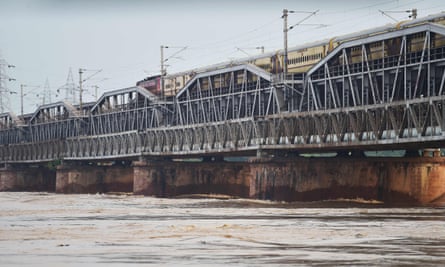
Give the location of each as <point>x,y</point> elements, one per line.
<point>342,38</point>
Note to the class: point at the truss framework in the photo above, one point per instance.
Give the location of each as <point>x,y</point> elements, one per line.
<point>386,90</point>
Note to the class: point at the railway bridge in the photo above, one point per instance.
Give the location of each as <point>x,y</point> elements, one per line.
<point>382,91</point>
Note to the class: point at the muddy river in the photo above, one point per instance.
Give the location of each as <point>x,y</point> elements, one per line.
<point>40,229</point>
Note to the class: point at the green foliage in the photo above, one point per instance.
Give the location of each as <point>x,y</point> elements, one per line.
<point>52,165</point>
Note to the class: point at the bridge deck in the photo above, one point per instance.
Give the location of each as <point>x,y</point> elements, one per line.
<point>385,91</point>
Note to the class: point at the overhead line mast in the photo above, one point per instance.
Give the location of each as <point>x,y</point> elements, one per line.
<point>4,78</point>
<point>286,29</point>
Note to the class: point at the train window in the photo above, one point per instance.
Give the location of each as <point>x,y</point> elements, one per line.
<point>375,45</point>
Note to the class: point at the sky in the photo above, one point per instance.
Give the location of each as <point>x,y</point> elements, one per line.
<point>44,39</point>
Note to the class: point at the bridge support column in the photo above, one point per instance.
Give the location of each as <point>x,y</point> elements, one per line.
<point>27,178</point>
<point>174,178</point>
<point>81,178</point>
<point>389,180</point>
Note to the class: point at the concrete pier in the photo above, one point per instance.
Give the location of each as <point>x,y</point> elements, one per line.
<point>74,178</point>
<point>408,180</point>
<point>390,180</point>
<point>27,178</point>
<point>167,178</point>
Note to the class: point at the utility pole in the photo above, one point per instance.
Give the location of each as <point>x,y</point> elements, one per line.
<point>162,71</point>
<point>81,80</point>
<point>23,94</point>
<point>286,29</point>
<point>95,91</point>
<point>80,89</point>
<point>21,99</point>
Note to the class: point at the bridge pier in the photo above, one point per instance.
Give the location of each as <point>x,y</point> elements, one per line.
<point>93,178</point>
<point>413,181</point>
<point>174,178</point>
<point>390,180</point>
<point>403,180</point>
<point>27,178</point>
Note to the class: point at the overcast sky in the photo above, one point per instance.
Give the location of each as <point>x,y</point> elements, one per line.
<point>43,39</point>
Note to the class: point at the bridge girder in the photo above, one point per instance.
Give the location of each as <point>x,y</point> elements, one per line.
<point>382,91</point>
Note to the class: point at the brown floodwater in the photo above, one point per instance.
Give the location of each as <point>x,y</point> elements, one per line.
<point>40,229</point>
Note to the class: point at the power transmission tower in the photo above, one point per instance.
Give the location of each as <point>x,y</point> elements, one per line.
<point>4,78</point>
<point>70,88</point>
<point>46,93</point>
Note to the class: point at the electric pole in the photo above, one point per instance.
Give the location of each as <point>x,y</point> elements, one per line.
<point>95,91</point>
<point>80,89</point>
<point>163,69</point>
<point>23,94</point>
<point>81,80</point>
<point>4,78</point>
<point>21,99</point>
<point>286,29</point>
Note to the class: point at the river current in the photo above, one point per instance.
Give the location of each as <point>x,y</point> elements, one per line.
<point>42,229</point>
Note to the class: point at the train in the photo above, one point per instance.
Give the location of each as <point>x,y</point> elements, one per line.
<point>302,58</point>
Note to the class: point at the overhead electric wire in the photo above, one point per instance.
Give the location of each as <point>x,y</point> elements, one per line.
<point>358,20</point>
<point>259,36</point>
<point>268,34</point>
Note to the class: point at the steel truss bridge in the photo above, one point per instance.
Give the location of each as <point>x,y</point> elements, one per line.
<point>356,98</point>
